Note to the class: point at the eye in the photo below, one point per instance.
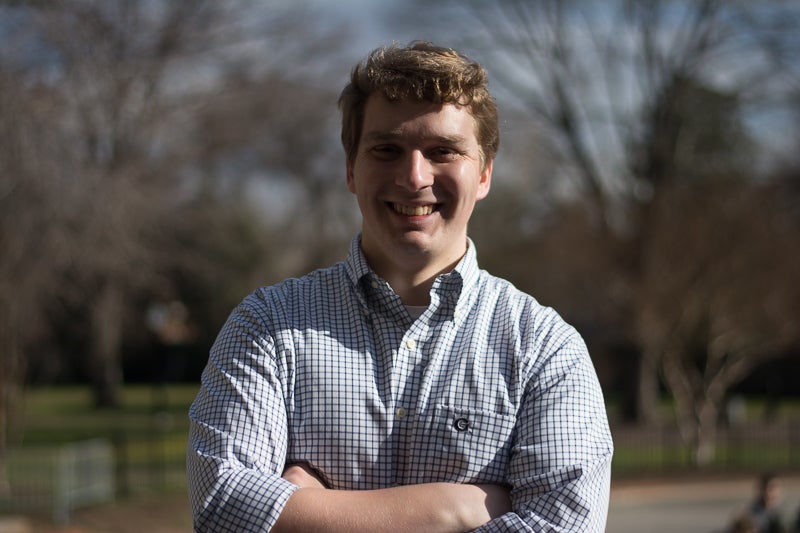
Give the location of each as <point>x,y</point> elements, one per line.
<point>385,151</point>
<point>443,154</point>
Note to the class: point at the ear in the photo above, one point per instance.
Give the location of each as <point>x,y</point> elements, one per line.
<point>351,182</point>
<point>485,181</point>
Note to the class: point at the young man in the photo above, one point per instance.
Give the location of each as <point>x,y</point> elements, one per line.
<point>403,389</point>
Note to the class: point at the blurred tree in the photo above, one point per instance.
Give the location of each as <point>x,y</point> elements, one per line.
<point>720,295</point>
<point>634,98</point>
<point>280,136</point>
<point>101,209</point>
<point>108,168</point>
<point>106,63</point>
<point>25,274</point>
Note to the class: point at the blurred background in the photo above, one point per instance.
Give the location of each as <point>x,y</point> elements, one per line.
<point>159,159</point>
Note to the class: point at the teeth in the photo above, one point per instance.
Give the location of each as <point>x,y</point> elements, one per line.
<point>413,210</point>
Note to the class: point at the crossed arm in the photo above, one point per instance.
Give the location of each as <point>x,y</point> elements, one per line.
<point>559,469</point>
<point>428,507</point>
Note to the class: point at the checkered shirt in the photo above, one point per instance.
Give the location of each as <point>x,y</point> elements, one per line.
<point>486,386</point>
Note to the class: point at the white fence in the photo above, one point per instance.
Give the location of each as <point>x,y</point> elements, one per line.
<point>56,480</point>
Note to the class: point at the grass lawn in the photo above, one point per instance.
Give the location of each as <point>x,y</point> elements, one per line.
<point>55,415</point>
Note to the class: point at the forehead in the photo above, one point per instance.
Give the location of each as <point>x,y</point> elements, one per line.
<point>409,118</point>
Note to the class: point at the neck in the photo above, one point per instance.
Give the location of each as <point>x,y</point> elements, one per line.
<point>412,285</point>
<point>412,290</point>
<point>411,269</point>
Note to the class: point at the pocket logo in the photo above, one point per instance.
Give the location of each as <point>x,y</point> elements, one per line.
<point>461,424</point>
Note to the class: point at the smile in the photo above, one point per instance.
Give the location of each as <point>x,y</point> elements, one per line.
<point>414,210</point>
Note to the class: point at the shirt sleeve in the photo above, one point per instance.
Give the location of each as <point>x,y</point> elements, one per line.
<point>560,470</point>
<point>238,432</point>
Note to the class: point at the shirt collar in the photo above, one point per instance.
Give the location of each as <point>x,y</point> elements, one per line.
<point>464,275</point>
<point>356,263</point>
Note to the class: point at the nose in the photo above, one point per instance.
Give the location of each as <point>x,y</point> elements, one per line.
<point>416,172</point>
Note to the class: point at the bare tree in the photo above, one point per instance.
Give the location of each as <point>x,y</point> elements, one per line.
<point>637,97</point>
<point>103,106</point>
<point>720,297</point>
<point>282,137</point>
<point>271,201</point>
<point>125,84</point>
<point>19,264</point>
<point>110,60</point>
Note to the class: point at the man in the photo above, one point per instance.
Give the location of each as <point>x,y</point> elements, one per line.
<point>402,389</point>
<point>765,508</point>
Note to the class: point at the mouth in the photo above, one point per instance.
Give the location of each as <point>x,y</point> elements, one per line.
<point>413,210</point>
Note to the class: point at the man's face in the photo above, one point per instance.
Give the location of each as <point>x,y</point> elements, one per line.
<point>417,175</point>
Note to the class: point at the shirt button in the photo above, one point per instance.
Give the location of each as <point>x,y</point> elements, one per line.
<point>374,284</point>
<point>411,344</point>
<point>400,412</point>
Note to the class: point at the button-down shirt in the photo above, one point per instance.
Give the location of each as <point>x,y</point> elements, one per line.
<point>486,386</point>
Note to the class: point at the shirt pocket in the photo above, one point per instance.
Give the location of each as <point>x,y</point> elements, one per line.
<point>461,446</point>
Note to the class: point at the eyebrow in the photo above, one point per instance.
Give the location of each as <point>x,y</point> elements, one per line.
<point>394,136</point>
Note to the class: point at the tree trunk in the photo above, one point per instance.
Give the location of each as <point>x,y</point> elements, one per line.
<point>705,441</point>
<point>647,389</point>
<point>11,379</point>
<point>106,332</point>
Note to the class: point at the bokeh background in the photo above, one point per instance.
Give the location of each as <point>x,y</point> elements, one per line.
<point>161,159</point>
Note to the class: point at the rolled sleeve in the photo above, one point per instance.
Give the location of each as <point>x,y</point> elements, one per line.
<point>238,434</point>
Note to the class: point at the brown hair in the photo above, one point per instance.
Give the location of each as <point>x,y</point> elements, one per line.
<point>425,72</point>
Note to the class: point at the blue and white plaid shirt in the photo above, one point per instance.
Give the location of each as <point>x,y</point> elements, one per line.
<point>486,386</point>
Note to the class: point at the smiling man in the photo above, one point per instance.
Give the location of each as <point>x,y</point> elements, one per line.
<point>403,389</point>
<point>417,174</point>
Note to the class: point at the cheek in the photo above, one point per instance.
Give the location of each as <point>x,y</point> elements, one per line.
<point>468,187</point>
